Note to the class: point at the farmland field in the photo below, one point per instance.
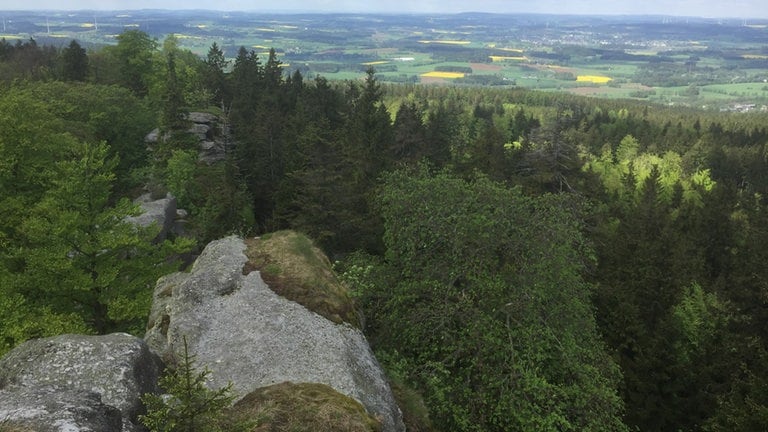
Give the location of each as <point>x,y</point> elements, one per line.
<point>697,62</point>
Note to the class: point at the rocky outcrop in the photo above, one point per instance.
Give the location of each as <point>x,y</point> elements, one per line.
<point>213,136</point>
<point>248,335</point>
<point>77,383</point>
<point>278,353</point>
<point>161,212</point>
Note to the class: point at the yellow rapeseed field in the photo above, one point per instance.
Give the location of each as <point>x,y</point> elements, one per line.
<point>596,79</point>
<point>754,57</point>
<point>449,75</point>
<point>374,63</point>
<point>503,58</point>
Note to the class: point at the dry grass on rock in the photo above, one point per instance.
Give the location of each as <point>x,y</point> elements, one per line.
<point>306,407</point>
<point>296,269</point>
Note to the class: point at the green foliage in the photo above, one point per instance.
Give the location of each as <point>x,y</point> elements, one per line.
<point>81,255</point>
<point>699,315</point>
<point>745,405</point>
<point>69,262</point>
<point>90,113</point>
<point>188,405</point>
<point>180,174</point>
<point>74,62</point>
<point>134,52</point>
<point>415,412</point>
<point>31,140</point>
<point>213,75</point>
<point>216,199</point>
<point>626,173</point>
<point>173,111</point>
<point>26,60</point>
<point>20,321</point>
<point>486,300</point>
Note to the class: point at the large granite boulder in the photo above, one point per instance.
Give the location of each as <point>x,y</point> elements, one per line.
<point>248,335</point>
<point>54,410</point>
<point>77,383</point>
<point>160,212</point>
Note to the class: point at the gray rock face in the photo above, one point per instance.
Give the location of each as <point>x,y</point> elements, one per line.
<point>77,383</point>
<point>250,336</point>
<point>213,136</point>
<point>202,118</point>
<point>201,131</point>
<point>161,212</point>
<point>49,410</point>
<point>153,137</point>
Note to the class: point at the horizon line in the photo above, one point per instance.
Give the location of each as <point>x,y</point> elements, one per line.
<point>351,12</point>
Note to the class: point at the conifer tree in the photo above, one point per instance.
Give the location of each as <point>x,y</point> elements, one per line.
<point>174,110</point>
<point>409,134</point>
<point>74,62</point>
<point>214,76</point>
<point>81,255</point>
<point>190,406</point>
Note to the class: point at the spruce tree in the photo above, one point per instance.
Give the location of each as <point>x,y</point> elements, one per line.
<point>74,62</point>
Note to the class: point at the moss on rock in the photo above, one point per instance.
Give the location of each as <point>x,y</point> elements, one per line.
<point>296,269</point>
<point>305,407</point>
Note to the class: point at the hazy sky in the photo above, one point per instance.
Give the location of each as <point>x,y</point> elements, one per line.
<point>702,8</point>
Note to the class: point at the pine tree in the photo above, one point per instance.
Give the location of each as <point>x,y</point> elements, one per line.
<point>214,77</point>
<point>174,111</point>
<point>409,134</point>
<point>81,255</point>
<point>190,406</point>
<point>74,62</point>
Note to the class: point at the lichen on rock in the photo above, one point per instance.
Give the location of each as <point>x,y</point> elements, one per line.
<point>82,382</point>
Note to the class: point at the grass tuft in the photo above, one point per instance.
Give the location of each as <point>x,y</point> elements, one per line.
<point>296,269</point>
<point>306,407</point>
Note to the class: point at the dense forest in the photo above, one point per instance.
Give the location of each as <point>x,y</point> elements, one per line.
<point>524,260</point>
